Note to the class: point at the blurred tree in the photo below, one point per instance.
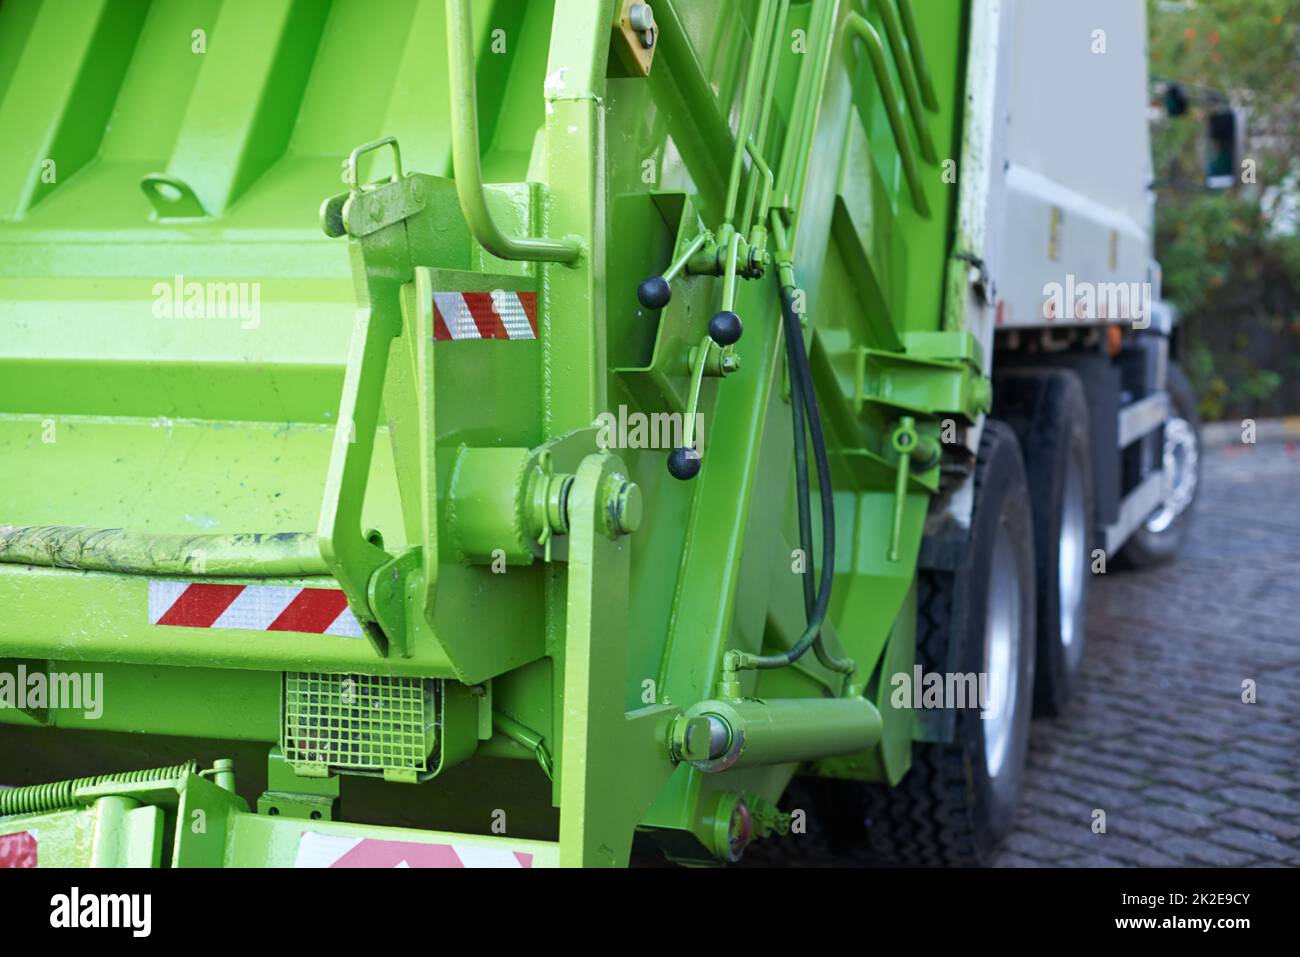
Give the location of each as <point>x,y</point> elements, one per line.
<point>1231,260</point>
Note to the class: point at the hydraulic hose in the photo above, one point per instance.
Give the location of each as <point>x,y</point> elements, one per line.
<point>130,552</point>
<point>803,402</point>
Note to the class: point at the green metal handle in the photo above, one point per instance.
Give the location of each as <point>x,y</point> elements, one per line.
<point>909,444</point>
<point>350,174</point>
<point>697,383</point>
<point>857,25</point>
<point>468,170</point>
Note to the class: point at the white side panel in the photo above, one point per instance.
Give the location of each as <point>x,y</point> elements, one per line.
<point>982,181</point>
<point>1076,198</point>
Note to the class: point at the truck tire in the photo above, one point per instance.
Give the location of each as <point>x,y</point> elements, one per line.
<point>1049,411</point>
<point>1160,537</point>
<point>959,799</point>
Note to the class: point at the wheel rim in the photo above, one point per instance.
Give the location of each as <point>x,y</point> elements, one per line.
<point>1181,457</point>
<point>1002,637</point>
<point>1072,571</point>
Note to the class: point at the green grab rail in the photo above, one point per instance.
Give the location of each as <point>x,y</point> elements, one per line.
<point>918,56</point>
<point>468,169</point>
<point>906,73</point>
<point>856,24</point>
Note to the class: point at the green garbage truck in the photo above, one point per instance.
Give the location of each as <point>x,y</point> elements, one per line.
<point>488,433</point>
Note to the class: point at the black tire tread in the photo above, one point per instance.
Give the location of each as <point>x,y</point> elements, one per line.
<point>926,820</point>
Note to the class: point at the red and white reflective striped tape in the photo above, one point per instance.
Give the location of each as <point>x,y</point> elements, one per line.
<point>337,850</point>
<point>18,850</point>
<point>315,611</point>
<point>484,315</point>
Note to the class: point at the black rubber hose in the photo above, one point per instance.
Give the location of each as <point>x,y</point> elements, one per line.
<point>807,578</point>
<point>825,492</point>
<point>804,403</point>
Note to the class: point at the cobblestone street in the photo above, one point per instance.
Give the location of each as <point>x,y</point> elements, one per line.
<point>1159,738</point>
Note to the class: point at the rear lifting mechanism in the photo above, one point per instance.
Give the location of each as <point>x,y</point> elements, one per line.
<point>733,252</point>
<point>707,256</point>
<point>742,252</point>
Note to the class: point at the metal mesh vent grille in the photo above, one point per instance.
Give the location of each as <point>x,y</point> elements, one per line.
<point>358,722</point>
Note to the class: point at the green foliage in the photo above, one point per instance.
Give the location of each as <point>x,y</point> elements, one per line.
<point>1231,263</point>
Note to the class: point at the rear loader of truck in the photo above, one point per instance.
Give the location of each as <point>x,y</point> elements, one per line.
<point>508,433</point>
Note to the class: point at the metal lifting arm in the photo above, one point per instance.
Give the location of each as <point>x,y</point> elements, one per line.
<point>465,153</point>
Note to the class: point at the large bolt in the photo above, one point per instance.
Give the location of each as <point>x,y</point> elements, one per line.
<point>642,20</point>
<point>691,738</point>
<point>699,738</point>
<point>626,508</point>
<point>641,17</point>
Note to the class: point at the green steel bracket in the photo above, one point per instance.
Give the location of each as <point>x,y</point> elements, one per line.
<point>600,739</point>
<point>696,252</point>
<point>730,255</point>
<point>172,198</point>
<point>290,793</point>
<point>927,387</point>
<point>387,224</point>
<point>386,595</point>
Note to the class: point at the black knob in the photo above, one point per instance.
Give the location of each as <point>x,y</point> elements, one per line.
<point>684,463</point>
<point>725,328</point>
<point>654,293</point>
